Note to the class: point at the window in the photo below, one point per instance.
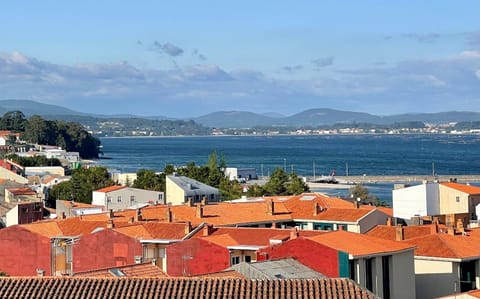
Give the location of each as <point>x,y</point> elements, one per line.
<point>109,199</point>
<point>458,198</point>
<point>132,198</point>
<point>119,199</point>
<point>351,264</point>
<point>467,276</point>
<point>386,276</point>
<point>369,274</point>
<point>235,260</point>
<point>160,196</point>
<point>212,196</point>
<point>248,258</point>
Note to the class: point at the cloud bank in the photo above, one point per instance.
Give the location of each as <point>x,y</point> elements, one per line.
<point>452,83</point>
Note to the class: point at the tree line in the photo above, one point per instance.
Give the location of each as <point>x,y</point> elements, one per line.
<point>86,180</point>
<point>70,136</point>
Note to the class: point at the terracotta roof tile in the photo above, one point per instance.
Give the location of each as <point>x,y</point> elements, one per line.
<point>135,270</point>
<point>446,246</point>
<point>222,274</point>
<point>230,236</point>
<point>154,230</point>
<point>388,232</point>
<point>463,188</point>
<point>21,191</point>
<point>359,244</point>
<point>122,288</point>
<point>110,189</point>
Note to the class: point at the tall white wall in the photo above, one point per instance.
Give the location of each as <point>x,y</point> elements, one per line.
<point>420,200</point>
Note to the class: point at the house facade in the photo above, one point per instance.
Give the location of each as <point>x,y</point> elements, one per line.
<point>181,189</point>
<point>24,213</point>
<point>118,198</point>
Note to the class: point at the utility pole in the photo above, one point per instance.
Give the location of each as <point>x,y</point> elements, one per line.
<point>285,164</point>
<point>314,170</point>
<point>346,168</point>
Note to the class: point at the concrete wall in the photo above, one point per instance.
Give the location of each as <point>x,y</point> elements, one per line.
<point>106,248</point>
<point>42,170</point>
<point>416,200</point>
<point>195,257</point>
<point>174,194</point>
<point>9,175</point>
<point>371,220</point>
<point>22,252</point>
<point>436,278</point>
<point>402,276</point>
<point>121,199</point>
<point>452,201</point>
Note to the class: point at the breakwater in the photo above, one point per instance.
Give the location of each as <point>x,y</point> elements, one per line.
<point>406,178</point>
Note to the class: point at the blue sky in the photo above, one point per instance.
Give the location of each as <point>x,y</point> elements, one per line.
<point>189,58</point>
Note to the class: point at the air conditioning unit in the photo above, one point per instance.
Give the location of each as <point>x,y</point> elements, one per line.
<point>138,259</point>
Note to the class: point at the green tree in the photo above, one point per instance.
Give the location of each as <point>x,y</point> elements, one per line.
<point>255,190</point>
<point>40,131</point>
<point>61,191</point>
<point>230,189</point>
<point>169,169</point>
<point>296,185</point>
<point>359,191</point>
<point>86,180</point>
<point>13,121</point>
<point>277,184</point>
<point>147,179</point>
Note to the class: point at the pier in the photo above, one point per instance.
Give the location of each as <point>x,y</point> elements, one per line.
<point>406,178</point>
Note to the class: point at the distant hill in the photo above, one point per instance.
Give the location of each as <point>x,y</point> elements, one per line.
<point>30,108</point>
<point>245,119</point>
<point>234,119</point>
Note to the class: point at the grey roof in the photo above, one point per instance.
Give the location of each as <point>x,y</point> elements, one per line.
<point>276,269</point>
<point>191,186</point>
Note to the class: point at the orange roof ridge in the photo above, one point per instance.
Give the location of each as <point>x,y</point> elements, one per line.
<point>110,189</point>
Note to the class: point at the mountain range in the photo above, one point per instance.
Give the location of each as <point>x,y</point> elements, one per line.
<point>245,119</point>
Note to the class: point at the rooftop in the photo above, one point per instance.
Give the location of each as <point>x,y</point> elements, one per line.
<point>135,270</point>
<point>276,269</point>
<point>359,244</point>
<point>110,189</point>
<point>471,190</point>
<point>122,288</point>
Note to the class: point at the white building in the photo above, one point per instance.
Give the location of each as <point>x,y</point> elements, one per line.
<point>241,174</point>
<point>119,198</point>
<point>419,200</point>
<point>180,189</point>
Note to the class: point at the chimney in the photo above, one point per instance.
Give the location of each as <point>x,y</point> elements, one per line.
<point>315,209</point>
<point>434,228</point>
<point>131,220</point>
<point>138,215</point>
<point>110,224</point>
<point>340,227</point>
<point>294,233</point>
<point>61,216</point>
<point>40,272</point>
<point>190,202</point>
<point>169,215</point>
<point>356,203</point>
<point>199,211</point>
<point>270,207</point>
<point>204,200</point>
<point>451,231</point>
<point>188,227</point>
<point>274,225</point>
<point>389,221</point>
<point>207,229</point>
<point>399,233</point>
<point>111,215</point>
<point>460,227</point>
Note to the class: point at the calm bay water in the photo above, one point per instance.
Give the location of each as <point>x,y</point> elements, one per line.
<point>364,154</point>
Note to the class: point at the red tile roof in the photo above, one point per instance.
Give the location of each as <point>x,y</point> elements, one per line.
<point>446,246</point>
<point>21,191</point>
<point>123,288</point>
<point>359,244</point>
<point>388,232</point>
<point>154,230</point>
<point>463,188</point>
<point>110,189</point>
<point>135,270</point>
<point>231,236</point>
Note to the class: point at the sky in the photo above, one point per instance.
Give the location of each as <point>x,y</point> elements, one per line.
<point>189,58</point>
